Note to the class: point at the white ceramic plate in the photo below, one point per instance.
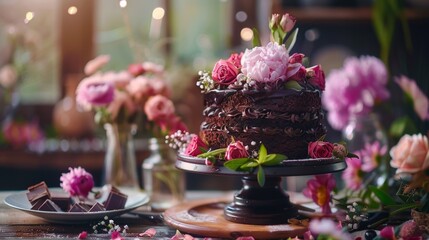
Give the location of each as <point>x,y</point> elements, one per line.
<point>19,201</point>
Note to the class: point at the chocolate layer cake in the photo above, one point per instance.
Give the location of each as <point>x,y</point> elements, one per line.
<point>285,121</point>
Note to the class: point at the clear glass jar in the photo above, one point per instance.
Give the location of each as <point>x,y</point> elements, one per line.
<point>164,183</point>
<point>120,160</point>
<point>364,130</point>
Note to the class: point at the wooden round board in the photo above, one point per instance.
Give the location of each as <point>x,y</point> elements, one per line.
<point>205,218</point>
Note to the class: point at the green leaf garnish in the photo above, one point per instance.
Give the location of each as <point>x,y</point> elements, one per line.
<point>273,159</point>
<point>293,85</point>
<point>261,176</point>
<point>383,196</point>
<point>235,164</point>
<point>256,41</point>
<point>212,153</point>
<point>262,153</point>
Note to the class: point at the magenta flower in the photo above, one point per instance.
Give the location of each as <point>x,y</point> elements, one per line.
<point>236,150</point>
<point>388,232</point>
<point>94,91</point>
<point>319,189</point>
<point>354,89</point>
<point>420,101</point>
<point>267,64</point>
<point>77,182</point>
<point>353,176</point>
<point>371,155</point>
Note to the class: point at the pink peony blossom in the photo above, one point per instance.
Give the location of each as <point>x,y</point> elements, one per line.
<point>352,176</point>
<point>235,58</point>
<point>267,64</point>
<point>319,189</point>
<point>328,227</point>
<point>194,146</point>
<point>93,91</point>
<point>224,72</point>
<point>411,154</point>
<point>236,150</point>
<point>420,101</point>
<point>77,182</point>
<point>320,149</point>
<point>354,89</point>
<point>371,155</point>
<point>95,64</point>
<point>316,77</point>
<point>158,108</point>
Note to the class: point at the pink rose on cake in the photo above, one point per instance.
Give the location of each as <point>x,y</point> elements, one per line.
<point>316,77</point>
<point>411,154</point>
<point>195,146</point>
<point>225,72</point>
<point>236,150</point>
<point>320,149</point>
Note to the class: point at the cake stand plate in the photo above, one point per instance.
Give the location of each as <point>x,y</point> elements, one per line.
<point>268,204</point>
<point>206,218</point>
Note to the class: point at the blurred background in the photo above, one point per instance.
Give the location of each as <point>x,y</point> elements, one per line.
<point>50,41</point>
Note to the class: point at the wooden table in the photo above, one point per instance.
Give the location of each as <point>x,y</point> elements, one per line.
<point>17,224</point>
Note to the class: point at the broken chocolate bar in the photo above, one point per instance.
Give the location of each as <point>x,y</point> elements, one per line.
<point>48,205</point>
<point>37,192</point>
<point>78,207</point>
<point>116,200</point>
<point>97,207</point>
<point>62,199</point>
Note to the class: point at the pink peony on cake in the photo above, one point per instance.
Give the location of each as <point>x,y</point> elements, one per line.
<point>264,95</point>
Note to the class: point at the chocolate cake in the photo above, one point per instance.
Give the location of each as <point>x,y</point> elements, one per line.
<point>285,120</point>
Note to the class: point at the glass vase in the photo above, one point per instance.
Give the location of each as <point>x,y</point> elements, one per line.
<point>364,130</point>
<point>164,183</point>
<point>120,160</point>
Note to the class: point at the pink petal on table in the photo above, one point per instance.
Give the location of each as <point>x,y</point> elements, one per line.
<point>148,233</point>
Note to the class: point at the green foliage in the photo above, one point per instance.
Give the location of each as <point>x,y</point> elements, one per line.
<point>249,164</point>
<point>291,39</point>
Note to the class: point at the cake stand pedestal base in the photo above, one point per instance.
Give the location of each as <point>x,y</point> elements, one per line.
<point>254,204</point>
<point>206,218</point>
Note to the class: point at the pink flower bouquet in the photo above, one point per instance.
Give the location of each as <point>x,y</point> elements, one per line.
<point>138,95</point>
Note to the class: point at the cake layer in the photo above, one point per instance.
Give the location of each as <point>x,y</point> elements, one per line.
<point>285,121</point>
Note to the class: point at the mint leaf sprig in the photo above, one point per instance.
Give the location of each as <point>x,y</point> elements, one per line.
<point>248,164</point>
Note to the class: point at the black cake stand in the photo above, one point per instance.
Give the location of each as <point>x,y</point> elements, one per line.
<point>253,205</point>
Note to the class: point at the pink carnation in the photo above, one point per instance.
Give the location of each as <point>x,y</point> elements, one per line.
<point>158,108</point>
<point>77,182</point>
<point>94,91</point>
<point>266,64</point>
<point>354,89</point>
<point>118,79</point>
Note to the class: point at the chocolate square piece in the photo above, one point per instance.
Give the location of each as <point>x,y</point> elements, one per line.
<point>97,207</point>
<point>62,199</point>
<point>37,192</point>
<point>77,207</point>
<point>116,200</point>
<point>38,203</point>
<point>48,205</point>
